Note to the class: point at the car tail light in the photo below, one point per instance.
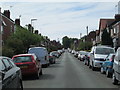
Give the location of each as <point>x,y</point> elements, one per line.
<point>50,56</point>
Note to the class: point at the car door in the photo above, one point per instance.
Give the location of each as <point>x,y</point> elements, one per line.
<point>10,75</point>
<point>91,55</point>
<point>118,63</point>
<point>7,81</point>
<point>116,66</point>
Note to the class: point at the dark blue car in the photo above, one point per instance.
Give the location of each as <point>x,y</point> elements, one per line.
<point>107,66</point>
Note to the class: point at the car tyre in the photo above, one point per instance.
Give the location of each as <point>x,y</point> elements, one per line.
<point>114,80</point>
<point>20,87</point>
<point>41,72</point>
<point>102,71</point>
<point>89,66</point>
<point>37,75</point>
<point>93,68</point>
<point>108,73</point>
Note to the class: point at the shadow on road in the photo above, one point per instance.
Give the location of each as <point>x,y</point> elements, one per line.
<point>56,66</point>
<point>42,77</point>
<point>47,77</point>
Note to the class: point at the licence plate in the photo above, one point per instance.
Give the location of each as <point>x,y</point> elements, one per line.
<point>23,66</point>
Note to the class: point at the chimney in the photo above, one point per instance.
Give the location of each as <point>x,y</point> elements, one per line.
<point>117,17</point>
<point>36,31</point>
<point>7,13</point>
<point>17,22</point>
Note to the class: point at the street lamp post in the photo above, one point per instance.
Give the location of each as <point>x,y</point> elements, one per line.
<point>31,23</point>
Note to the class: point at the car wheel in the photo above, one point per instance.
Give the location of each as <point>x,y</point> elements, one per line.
<point>102,71</point>
<point>108,73</point>
<point>37,75</point>
<point>87,63</point>
<point>93,68</point>
<point>41,72</point>
<point>114,80</point>
<point>20,87</point>
<point>89,66</point>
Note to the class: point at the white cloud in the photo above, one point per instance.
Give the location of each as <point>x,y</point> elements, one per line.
<point>64,18</point>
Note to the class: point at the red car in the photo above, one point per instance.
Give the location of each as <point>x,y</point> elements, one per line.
<point>29,64</point>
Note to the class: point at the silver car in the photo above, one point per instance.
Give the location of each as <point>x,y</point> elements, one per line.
<point>98,55</point>
<point>116,67</point>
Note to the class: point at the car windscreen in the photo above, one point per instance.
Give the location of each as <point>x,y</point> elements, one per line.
<point>83,53</point>
<point>104,51</point>
<point>21,59</point>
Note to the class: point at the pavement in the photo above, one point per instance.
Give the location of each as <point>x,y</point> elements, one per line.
<point>69,72</point>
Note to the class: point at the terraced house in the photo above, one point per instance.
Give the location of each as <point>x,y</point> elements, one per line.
<point>7,26</point>
<point>114,30</point>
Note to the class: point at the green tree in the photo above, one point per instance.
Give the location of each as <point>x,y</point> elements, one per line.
<point>106,38</point>
<point>7,51</point>
<point>66,42</point>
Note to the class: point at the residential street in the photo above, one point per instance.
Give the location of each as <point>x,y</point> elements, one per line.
<point>69,72</point>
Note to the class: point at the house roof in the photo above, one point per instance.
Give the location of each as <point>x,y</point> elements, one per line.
<point>117,19</point>
<point>3,16</point>
<point>105,22</point>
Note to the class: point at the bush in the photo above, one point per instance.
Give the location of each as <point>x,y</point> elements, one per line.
<point>7,51</point>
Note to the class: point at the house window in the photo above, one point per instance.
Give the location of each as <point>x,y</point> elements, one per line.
<point>2,29</point>
<point>11,28</point>
<point>117,31</point>
<point>114,30</point>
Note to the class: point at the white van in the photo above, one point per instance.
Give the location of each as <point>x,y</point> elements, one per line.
<point>116,67</point>
<point>98,55</point>
<point>42,54</point>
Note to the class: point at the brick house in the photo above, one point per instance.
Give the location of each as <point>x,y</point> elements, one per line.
<point>114,30</point>
<point>102,26</point>
<point>7,25</point>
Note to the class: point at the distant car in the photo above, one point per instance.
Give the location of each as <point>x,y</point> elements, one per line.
<point>10,74</point>
<point>98,55</point>
<point>42,55</point>
<point>76,54</point>
<point>87,59</point>
<point>56,54</point>
<point>81,55</point>
<point>60,52</point>
<point>107,66</point>
<point>52,58</point>
<point>116,67</point>
<point>29,64</point>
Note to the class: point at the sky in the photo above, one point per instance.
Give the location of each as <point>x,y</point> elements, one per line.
<point>59,19</point>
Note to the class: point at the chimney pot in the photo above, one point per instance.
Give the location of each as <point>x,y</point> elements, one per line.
<point>17,22</point>
<point>7,13</point>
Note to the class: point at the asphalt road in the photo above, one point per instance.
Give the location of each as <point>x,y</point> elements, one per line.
<point>69,72</point>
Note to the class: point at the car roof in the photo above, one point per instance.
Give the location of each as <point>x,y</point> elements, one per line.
<point>1,57</point>
<point>103,47</point>
<point>25,54</point>
<point>37,47</point>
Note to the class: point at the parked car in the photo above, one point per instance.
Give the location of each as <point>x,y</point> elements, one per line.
<point>98,55</point>
<point>55,53</point>
<point>10,74</point>
<point>29,64</point>
<point>73,51</point>
<point>42,55</point>
<point>76,54</point>
<point>116,67</point>
<point>107,66</point>
<point>81,55</point>
<point>52,58</point>
<point>87,59</point>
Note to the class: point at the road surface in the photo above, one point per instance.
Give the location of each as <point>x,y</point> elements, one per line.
<point>69,72</point>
